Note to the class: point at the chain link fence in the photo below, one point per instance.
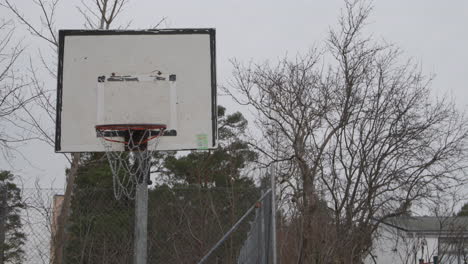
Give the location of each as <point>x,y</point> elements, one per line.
<point>42,207</point>
<point>258,246</point>
<point>183,225</point>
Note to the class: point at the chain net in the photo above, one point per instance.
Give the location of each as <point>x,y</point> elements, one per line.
<point>131,165</point>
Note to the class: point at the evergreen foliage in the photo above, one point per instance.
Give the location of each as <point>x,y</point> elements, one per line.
<point>221,167</point>
<point>463,211</point>
<point>100,227</point>
<point>12,238</point>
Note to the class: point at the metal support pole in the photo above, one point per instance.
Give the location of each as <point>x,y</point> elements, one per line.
<point>141,218</point>
<point>141,223</point>
<point>262,243</point>
<point>273,216</point>
<point>3,216</point>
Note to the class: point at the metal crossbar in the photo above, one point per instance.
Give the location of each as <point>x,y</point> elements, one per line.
<point>233,228</point>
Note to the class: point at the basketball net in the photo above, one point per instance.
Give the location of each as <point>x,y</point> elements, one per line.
<point>131,166</point>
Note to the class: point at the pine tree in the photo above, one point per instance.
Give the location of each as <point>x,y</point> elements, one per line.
<point>463,211</point>
<point>12,238</point>
<point>221,167</point>
<point>100,227</point>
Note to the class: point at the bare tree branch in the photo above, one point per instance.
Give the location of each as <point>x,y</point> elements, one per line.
<point>363,138</point>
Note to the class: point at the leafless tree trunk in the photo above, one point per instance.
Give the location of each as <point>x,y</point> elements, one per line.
<point>360,134</point>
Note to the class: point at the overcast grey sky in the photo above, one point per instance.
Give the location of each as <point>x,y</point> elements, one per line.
<point>433,32</point>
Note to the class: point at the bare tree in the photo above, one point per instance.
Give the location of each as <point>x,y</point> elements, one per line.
<point>360,133</point>
<point>39,118</point>
<point>102,11</point>
<point>39,215</point>
<point>14,92</point>
<point>100,14</point>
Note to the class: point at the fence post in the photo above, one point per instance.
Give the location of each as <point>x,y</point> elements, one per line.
<point>261,233</point>
<point>273,215</point>
<point>3,217</point>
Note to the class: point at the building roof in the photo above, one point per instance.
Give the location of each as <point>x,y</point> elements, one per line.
<point>429,224</point>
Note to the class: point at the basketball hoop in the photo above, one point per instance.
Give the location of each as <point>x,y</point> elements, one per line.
<point>132,165</point>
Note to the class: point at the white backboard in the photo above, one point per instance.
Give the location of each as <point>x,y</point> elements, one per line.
<point>163,76</point>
